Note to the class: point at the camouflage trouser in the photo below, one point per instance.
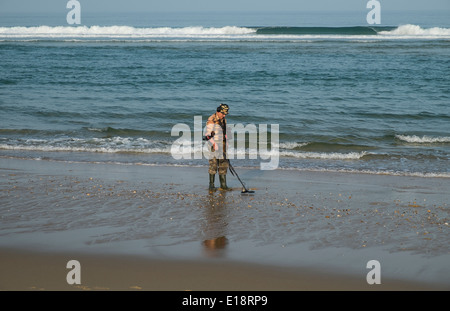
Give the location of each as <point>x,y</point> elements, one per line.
<point>218,164</point>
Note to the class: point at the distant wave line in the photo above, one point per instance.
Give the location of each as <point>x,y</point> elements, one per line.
<point>118,31</point>
<point>230,32</point>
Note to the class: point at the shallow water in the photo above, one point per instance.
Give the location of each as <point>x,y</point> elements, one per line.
<point>331,221</point>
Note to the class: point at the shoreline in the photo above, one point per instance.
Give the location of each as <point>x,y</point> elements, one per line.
<point>160,162</point>
<point>317,226</point>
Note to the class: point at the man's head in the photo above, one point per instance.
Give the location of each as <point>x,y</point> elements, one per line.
<point>223,109</point>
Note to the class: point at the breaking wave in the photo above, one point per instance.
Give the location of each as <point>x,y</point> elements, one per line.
<point>226,32</point>
<point>325,155</point>
<point>99,145</point>
<point>415,30</point>
<point>118,32</point>
<point>423,139</point>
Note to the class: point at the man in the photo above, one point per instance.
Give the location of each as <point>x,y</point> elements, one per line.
<point>216,134</point>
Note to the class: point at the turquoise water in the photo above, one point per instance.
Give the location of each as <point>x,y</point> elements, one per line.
<point>346,96</point>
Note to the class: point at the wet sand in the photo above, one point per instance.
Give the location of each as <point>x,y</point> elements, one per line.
<point>29,271</point>
<point>135,227</point>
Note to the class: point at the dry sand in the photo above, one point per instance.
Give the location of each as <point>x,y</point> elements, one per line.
<point>138,227</point>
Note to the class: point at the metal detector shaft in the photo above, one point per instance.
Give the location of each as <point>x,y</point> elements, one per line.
<point>232,170</point>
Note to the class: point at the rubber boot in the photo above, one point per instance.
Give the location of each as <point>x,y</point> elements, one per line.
<point>211,181</point>
<point>223,182</point>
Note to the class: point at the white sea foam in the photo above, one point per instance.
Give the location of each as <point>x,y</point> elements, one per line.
<point>118,32</point>
<point>373,172</point>
<point>104,149</point>
<point>290,145</point>
<point>423,139</point>
<point>198,32</point>
<point>415,30</point>
<point>102,145</point>
<point>324,155</point>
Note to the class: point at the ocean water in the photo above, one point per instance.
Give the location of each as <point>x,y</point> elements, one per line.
<point>345,95</point>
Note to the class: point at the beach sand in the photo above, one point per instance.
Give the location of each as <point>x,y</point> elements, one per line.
<point>138,227</point>
<point>28,271</point>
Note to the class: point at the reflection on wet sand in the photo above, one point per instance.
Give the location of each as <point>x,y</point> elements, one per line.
<point>215,247</point>
<point>215,225</point>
